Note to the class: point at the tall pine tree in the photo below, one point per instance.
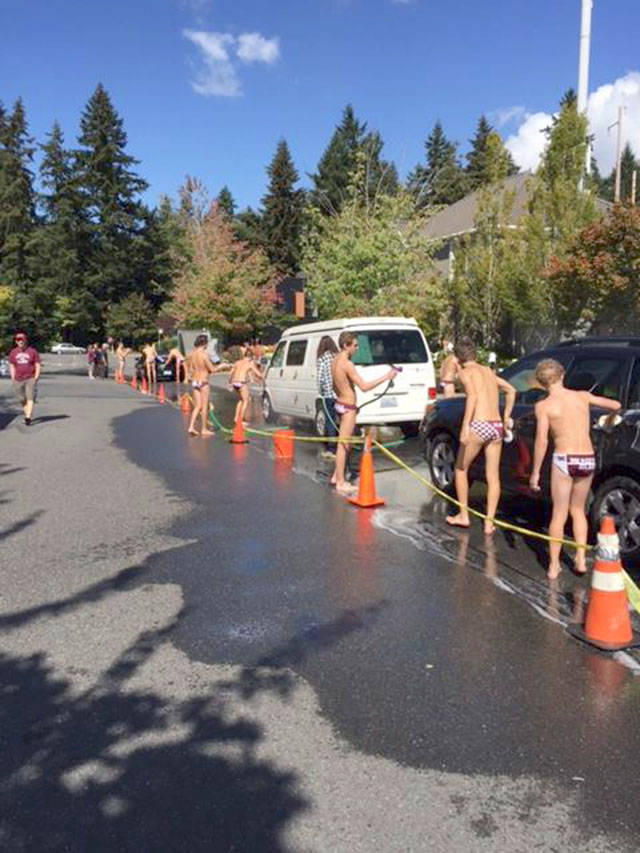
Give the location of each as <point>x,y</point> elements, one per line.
<point>441,180</point>
<point>282,214</point>
<point>339,160</point>
<point>60,245</point>
<point>17,218</point>
<point>111,189</point>
<point>477,172</point>
<point>226,201</point>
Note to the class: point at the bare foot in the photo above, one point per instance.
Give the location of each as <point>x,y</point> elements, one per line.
<point>333,481</point>
<point>554,571</point>
<point>457,520</point>
<point>489,527</point>
<point>207,432</point>
<point>192,431</point>
<point>580,568</point>
<point>345,489</point>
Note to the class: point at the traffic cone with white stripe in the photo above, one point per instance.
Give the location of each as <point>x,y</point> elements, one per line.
<point>607,624</point>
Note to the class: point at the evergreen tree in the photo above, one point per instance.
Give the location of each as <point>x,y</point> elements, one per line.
<point>112,207</point>
<point>283,213</point>
<point>17,217</point>
<point>628,164</point>
<point>226,202</point>
<point>60,245</point>
<point>441,180</point>
<point>339,160</point>
<point>476,170</point>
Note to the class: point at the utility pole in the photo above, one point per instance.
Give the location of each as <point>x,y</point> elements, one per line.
<point>634,177</point>
<point>616,195</point>
<point>583,73</point>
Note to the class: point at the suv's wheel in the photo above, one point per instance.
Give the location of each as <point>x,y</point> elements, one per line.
<point>619,497</point>
<point>267,409</point>
<point>321,419</point>
<point>441,456</point>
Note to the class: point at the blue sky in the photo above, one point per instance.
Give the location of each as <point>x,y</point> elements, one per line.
<point>207,87</point>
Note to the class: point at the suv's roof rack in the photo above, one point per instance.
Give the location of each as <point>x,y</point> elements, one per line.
<point>605,340</point>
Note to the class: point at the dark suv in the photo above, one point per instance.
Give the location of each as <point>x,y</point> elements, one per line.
<point>609,367</point>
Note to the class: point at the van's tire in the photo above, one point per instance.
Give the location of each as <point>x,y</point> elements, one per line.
<point>267,409</point>
<point>441,455</point>
<point>619,497</point>
<point>320,420</point>
<point>410,429</point>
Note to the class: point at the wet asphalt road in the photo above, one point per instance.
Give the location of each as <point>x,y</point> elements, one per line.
<point>430,647</point>
<point>174,589</point>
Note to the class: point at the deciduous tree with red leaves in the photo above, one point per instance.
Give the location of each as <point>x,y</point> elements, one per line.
<point>597,281</point>
<point>224,285</point>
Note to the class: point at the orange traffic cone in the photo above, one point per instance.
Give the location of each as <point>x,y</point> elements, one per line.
<point>607,624</point>
<point>134,384</point>
<point>283,443</point>
<point>161,394</point>
<point>184,403</point>
<point>238,433</point>
<point>366,486</point>
<point>143,386</point>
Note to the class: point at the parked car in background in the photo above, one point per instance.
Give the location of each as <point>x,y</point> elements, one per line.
<point>165,372</point>
<point>66,349</point>
<point>608,367</point>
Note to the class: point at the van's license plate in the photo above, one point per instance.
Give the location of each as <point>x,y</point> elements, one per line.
<point>388,402</point>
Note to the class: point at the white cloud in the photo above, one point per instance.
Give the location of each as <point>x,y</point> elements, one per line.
<point>216,76</point>
<point>252,47</point>
<point>527,143</point>
<point>602,110</point>
<point>504,115</point>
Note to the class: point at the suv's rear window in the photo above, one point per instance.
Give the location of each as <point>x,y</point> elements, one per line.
<point>601,375</point>
<point>390,346</point>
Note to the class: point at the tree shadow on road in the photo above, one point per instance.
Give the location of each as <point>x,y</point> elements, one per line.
<point>115,769</point>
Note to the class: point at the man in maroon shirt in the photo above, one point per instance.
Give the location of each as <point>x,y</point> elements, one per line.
<point>25,367</point>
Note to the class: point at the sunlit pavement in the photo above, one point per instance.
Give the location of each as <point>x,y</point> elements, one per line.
<point>196,619</point>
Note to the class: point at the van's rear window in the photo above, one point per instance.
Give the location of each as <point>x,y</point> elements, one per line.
<point>390,346</point>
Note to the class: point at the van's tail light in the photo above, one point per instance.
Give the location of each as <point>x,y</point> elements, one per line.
<point>433,393</point>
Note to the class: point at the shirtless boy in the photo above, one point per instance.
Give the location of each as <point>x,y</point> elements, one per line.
<point>243,371</point>
<point>176,356</point>
<point>150,355</point>
<point>121,354</point>
<point>482,429</point>
<point>199,366</point>
<point>448,370</point>
<point>566,414</point>
<point>345,377</point>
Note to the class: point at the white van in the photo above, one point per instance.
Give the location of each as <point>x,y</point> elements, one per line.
<point>290,383</point>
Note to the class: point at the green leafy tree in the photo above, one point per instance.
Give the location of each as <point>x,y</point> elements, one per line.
<point>597,280</point>
<point>441,180</point>
<point>372,259</point>
<point>132,320</point>
<point>225,284</point>
<point>332,178</point>
<point>283,211</point>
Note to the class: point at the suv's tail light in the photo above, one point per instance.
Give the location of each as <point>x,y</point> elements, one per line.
<point>433,393</point>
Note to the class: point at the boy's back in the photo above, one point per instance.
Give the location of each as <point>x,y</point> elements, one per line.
<point>568,415</point>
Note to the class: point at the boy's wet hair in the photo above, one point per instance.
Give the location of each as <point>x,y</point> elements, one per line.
<point>346,338</point>
<point>465,350</point>
<point>201,341</point>
<point>548,371</point>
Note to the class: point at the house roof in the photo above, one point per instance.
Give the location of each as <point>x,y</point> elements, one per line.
<point>459,218</point>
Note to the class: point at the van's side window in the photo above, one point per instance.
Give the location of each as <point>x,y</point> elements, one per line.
<point>278,356</point>
<point>297,350</point>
